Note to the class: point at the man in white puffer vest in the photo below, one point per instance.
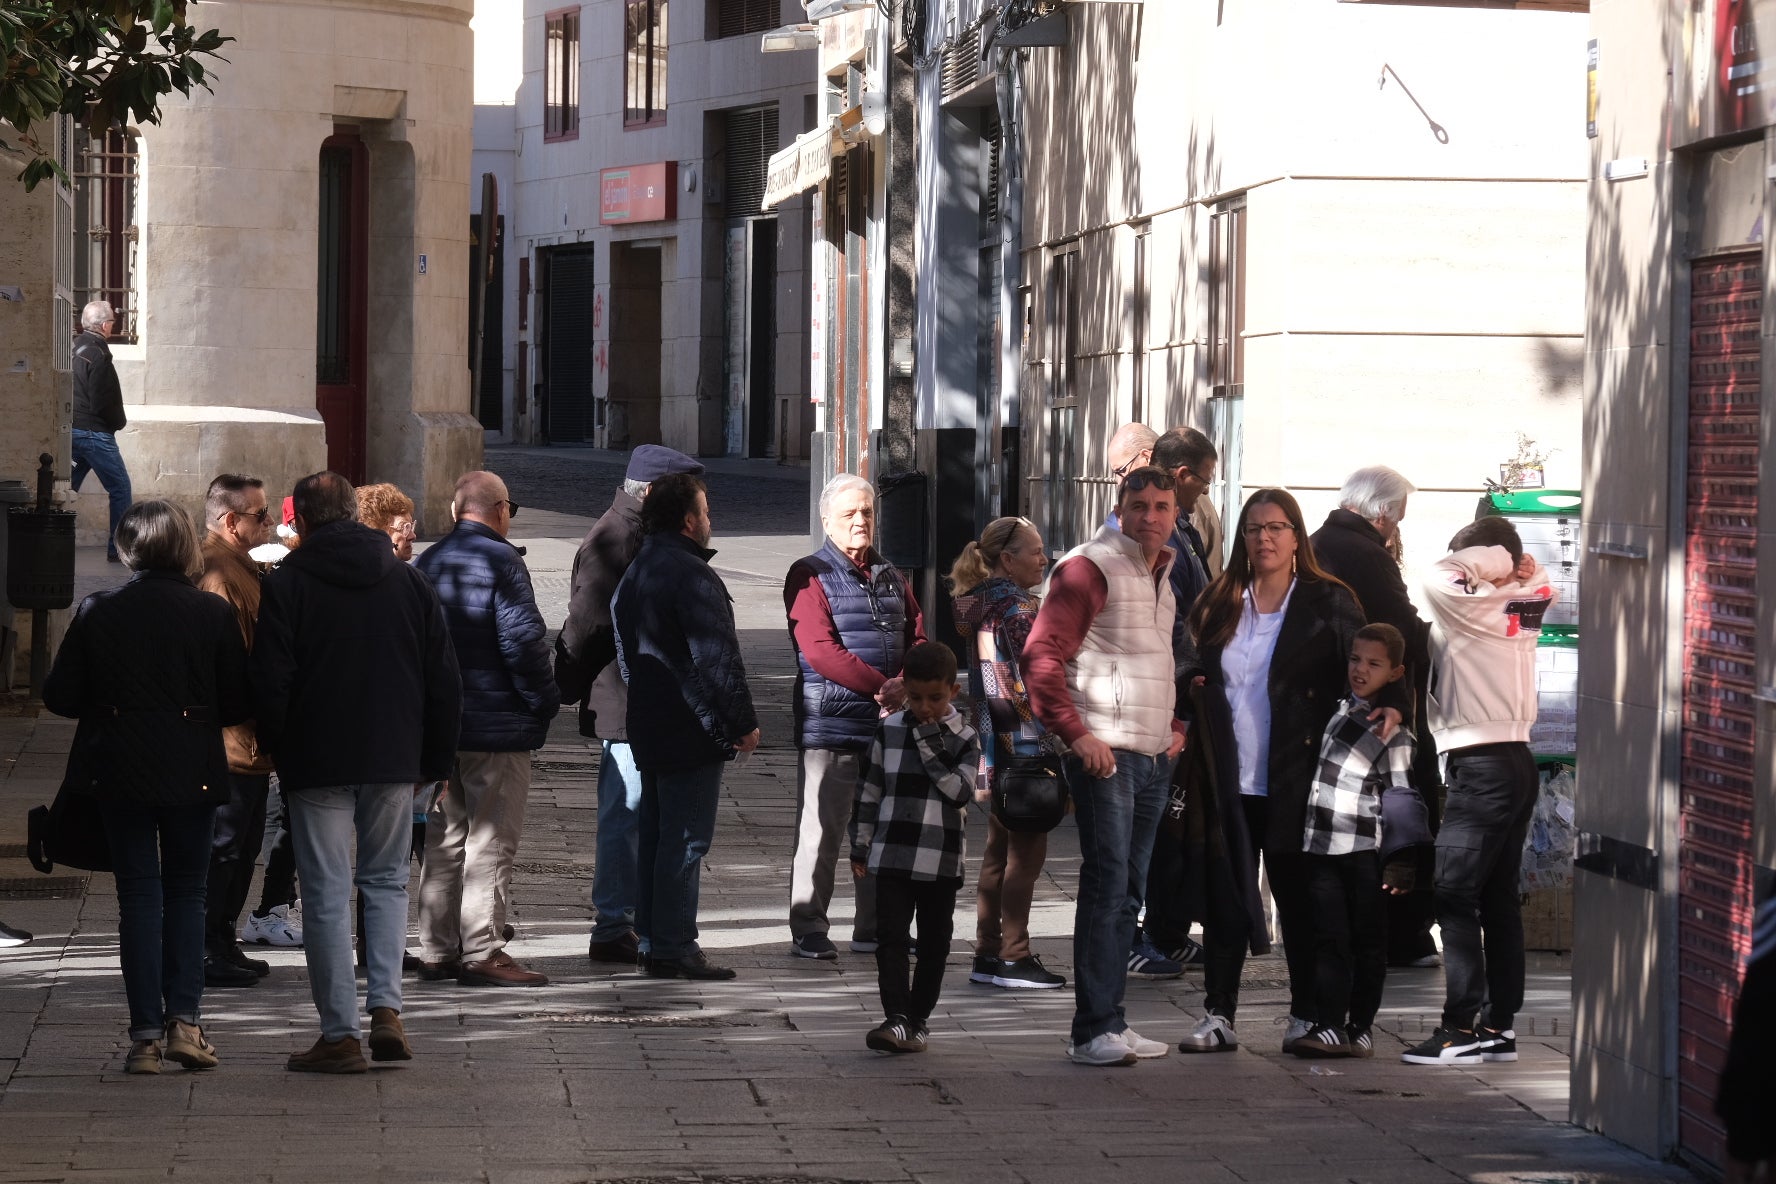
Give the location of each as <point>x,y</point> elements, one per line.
<point>1098,668</point>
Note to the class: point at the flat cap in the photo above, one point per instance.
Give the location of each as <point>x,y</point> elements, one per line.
<point>650,462</point>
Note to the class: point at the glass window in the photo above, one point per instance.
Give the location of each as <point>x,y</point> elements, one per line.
<point>105,249</point>
<point>644,62</point>
<point>561,75</point>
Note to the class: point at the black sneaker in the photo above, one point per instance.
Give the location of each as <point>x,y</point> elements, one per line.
<point>895,1034</point>
<point>1497,1044</point>
<point>1188,954</point>
<point>985,967</point>
<point>1322,1041</point>
<point>814,945</point>
<point>1027,974</point>
<point>1446,1046</point>
<point>1361,1041</point>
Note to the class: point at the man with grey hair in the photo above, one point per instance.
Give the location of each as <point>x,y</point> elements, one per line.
<point>852,618</point>
<point>509,697</point>
<point>98,415</point>
<point>1357,545</point>
<point>587,672</point>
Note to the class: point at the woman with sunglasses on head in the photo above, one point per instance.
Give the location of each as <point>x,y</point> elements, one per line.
<point>1273,634</point>
<point>994,582</point>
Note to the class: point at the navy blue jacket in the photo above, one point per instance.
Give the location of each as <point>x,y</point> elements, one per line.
<point>875,619</point>
<point>508,678</point>
<point>680,656</point>
<point>354,681</point>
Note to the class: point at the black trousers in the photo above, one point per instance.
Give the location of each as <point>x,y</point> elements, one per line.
<point>1167,924</point>
<point>234,848</point>
<point>899,902</point>
<point>279,885</point>
<point>1350,937</point>
<point>1224,948</point>
<point>1492,795</point>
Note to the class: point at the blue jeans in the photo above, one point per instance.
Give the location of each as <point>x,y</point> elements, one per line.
<point>161,861</point>
<point>613,876</point>
<point>1118,816</point>
<point>96,452</point>
<point>322,822</point>
<point>677,824</point>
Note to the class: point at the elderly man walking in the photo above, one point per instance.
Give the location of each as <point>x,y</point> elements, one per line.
<point>689,713</point>
<point>586,669</point>
<point>238,520</point>
<point>98,415</point>
<point>852,618</point>
<point>1099,669</point>
<point>358,700</point>
<point>509,697</point>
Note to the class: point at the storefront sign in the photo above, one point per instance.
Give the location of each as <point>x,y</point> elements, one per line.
<point>639,193</point>
<point>844,38</point>
<point>802,165</point>
<point>1729,77</point>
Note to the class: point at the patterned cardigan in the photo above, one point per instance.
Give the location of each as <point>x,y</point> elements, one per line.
<point>996,618</point>
<point>911,787</point>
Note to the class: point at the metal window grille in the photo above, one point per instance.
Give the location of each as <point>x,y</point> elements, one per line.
<point>738,17</point>
<point>749,139</point>
<point>105,233</point>
<point>645,41</point>
<point>961,66</point>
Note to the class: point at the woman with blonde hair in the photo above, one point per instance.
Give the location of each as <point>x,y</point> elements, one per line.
<point>154,671</point>
<point>992,582</point>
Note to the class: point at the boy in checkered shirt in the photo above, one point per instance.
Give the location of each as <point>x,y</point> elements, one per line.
<point>912,785</point>
<point>1363,819</point>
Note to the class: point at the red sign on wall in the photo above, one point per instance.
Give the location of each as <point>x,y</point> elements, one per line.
<point>639,193</point>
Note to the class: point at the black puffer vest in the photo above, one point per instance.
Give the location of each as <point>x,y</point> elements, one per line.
<point>870,617</point>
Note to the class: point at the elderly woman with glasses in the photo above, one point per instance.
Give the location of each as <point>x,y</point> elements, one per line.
<point>994,582</point>
<point>1273,636</point>
<point>154,671</point>
<point>386,508</point>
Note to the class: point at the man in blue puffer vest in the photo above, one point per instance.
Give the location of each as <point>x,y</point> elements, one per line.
<point>852,618</point>
<point>509,697</point>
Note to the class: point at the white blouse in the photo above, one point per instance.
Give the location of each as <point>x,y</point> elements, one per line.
<point>1245,669</point>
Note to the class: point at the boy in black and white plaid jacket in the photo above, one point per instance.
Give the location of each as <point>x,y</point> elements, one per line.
<point>912,785</point>
<point>1363,815</point>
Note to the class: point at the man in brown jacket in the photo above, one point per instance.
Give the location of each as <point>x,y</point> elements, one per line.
<point>239,519</point>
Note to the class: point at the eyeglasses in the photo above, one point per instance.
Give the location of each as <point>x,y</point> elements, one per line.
<point>262,515</point>
<point>511,507</point>
<point>1192,473</point>
<point>1134,462</point>
<point>1145,478</point>
<point>1275,530</point>
<point>401,526</point>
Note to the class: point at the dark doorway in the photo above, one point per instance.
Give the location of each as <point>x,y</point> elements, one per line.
<point>761,324</point>
<point>487,303</point>
<point>342,285</point>
<point>566,343</point>
<point>634,409</point>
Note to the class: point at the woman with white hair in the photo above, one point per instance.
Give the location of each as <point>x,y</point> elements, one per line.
<point>1358,545</point>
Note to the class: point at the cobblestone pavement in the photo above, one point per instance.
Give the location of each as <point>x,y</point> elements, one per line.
<point>603,1076</point>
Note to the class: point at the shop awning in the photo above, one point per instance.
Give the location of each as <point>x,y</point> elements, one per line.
<point>802,165</point>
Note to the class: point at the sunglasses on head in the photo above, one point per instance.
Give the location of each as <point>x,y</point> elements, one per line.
<point>1146,477</point>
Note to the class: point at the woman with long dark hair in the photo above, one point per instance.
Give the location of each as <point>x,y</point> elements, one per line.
<point>1273,634</point>
<point>154,671</point>
<point>993,581</point>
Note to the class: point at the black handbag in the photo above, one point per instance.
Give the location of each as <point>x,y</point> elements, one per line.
<point>70,831</point>
<point>1029,791</point>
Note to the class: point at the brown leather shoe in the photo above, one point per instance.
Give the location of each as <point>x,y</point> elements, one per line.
<point>388,1040</point>
<point>330,1056</point>
<point>436,972</point>
<point>625,950</point>
<point>499,971</point>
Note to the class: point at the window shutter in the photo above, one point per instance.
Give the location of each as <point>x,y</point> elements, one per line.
<point>750,139</point>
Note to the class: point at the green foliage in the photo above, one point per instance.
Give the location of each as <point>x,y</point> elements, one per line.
<point>105,62</point>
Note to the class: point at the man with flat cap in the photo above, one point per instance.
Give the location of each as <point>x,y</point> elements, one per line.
<point>586,669</point>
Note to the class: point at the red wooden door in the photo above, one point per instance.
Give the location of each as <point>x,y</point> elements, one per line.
<point>342,294</point>
<point>1720,646</point>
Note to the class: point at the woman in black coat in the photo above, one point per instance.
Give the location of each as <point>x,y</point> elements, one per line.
<point>153,671</point>
<point>1273,635</point>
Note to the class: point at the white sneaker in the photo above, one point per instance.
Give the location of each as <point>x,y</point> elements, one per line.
<point>1297,1028</point>
<point>1214,1034</point>
<point>280,927</point>
<point>1142,1047</point>
<point>1107,1049</point>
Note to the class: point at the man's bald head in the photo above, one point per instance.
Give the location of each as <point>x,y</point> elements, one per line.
<point>1127,446</point>
<point>481,497</point>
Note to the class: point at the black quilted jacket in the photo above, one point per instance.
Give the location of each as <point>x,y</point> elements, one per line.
<point>153,671</point>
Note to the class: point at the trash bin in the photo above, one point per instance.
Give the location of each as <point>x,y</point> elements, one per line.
<point>900,519</point>
<point>39,558</point>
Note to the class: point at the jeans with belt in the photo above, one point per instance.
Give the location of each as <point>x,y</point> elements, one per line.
<point>1492,796</point>
<point>1117,818</point>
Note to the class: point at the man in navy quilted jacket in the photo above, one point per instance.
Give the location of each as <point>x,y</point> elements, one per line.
<point>509,697</point>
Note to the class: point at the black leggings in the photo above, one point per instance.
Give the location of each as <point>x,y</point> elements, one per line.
<point>1224,946</point>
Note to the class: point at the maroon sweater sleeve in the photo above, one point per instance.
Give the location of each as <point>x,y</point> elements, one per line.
<point>811,624</point>
<point>1077,592</point>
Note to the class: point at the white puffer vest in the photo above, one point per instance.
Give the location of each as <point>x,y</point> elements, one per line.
<point>1121,678</point>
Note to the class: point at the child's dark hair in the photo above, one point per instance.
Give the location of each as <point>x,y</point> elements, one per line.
<point>1388,638</point>
<point>930,661</point>
<point>1490,531</point>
